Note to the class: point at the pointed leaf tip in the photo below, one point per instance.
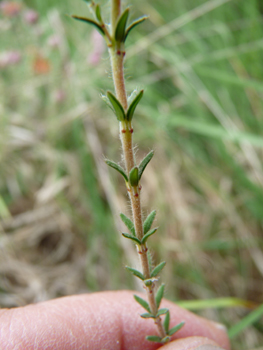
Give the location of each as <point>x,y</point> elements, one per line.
<point>117,167</point>
<point>134,24</point>
<point>135,272</point>
<point>148,221</point>
<point>158,269</point>
<point>135,239</point>
<point>159,295</point>
<point>128,223</point>
<point>133,105</point>
<point>121,26</point>
<point>90,21</point>
<point>176,328</point>
<point>117,106</point>
<point>143,303</point>
<point>144,163</point>
<point>150,233</point>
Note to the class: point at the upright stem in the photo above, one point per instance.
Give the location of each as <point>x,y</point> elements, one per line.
<point>126,132</point>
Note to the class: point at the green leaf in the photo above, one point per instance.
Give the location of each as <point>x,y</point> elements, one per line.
<point>158,269</point>
<point>98,13</point>
<point>135,272</point>
<point>144,163</point>
<point>128,223</point>
<point>159,295</point>
<point>134,24</point>
<point>176,328</point>
<point>117,107</point>
<point>154,338</point>
<point>133,176</point>
<point>145,237</point>
<point>148,221</point>
<point>135,239</point>
<point>117,167</point>
<point>121,26</point>
<point>90,21</point>
<point>148,282</point>
<point>143,303</point>
<point>133,106</point>
<point>162,312</point>
<point>166,322</point>
<point>165,339</point>
<point>147,315</point>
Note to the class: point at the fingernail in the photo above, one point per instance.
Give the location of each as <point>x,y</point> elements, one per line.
<point>209,347</point>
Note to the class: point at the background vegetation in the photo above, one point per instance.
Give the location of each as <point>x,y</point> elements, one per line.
<point>200,63</point>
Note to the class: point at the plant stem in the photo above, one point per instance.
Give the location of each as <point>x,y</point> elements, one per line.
<point>126,132</point>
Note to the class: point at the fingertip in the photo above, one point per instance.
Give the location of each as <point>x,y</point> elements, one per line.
<point>192,343</point>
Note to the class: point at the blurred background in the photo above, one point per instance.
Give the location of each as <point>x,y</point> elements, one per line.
<point>201,65</point>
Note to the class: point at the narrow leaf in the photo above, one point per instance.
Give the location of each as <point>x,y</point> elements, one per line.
<point>121,26</point>
<point>144,163</point>
<point>90,21</point>
<point>166,322</point>
<point>134,24</point>
<point>98,13</point>
<point>159,295</point>
<point>128,223</point>
<point>143,303</point>
<point>158,269</point>
<point>148,221</point>
<point>147,315</point>
<point>117,107</point>
<point>117,167</point>
<point>145,237</point>
<point>176,328</point>
<point>135,272</point>
<point>133,105</point>
<point>126,235</point>
<point>133,176</point>
<point>162,312</point>
<point>154,338</point>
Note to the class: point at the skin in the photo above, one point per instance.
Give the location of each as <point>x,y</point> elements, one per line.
<point>100,321</point>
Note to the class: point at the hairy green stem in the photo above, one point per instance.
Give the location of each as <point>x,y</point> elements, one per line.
<point>126,132</point>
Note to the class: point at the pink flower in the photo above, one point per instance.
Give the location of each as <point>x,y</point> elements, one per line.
<point>31,16</point>
<point>9,58</point>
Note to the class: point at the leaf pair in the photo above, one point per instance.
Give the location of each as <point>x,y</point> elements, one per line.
<point>134,177</point>
<point>118,108</point>
<point>121,32</point>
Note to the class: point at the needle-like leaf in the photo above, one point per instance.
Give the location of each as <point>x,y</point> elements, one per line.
<point>133,106</point>
<point>90,21</point>
<point>151,232</point>
<point>117,107</point>
<point>176,328</point>
<point>135,272</point>
<point>148,221</point>
<point>117,167</point>
<point>166,322</point>
<point>154,338</point>
<point>121,26</point>
<point>143,303</point>
<point>134,24</point>
<point>159,295</point>
<point>128,223</point>
<point>158,269</point>
<point>135,239</point>
<point>144,163</point>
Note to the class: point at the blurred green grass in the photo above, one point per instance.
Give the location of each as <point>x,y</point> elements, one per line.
<point>200,63</point>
